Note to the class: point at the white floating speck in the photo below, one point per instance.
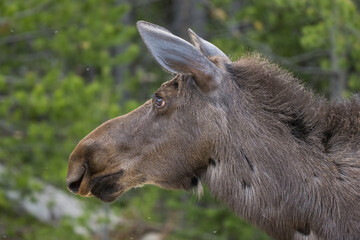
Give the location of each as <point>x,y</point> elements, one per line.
<point>11,30</point>
<point>87,69</point>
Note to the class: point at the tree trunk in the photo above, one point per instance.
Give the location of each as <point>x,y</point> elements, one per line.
<point>338,76</point>
<point>182,10</point>
<point>188,14</point>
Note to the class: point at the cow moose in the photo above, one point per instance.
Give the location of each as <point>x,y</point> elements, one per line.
<point>278,155</point>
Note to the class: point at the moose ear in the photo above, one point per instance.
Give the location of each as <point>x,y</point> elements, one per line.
<point>207,48</point>
<point>178,56</point>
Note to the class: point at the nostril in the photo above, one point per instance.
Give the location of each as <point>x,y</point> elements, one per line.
<point>74,185</point>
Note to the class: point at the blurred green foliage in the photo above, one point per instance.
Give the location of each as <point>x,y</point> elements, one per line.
<point>67,66</point>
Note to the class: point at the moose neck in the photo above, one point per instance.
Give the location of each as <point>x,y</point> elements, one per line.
<point>269,163</point>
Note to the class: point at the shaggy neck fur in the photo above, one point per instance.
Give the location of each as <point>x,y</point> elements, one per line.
<point>290,163</point>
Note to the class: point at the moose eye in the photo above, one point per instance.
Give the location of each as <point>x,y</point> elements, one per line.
<point>159,102</point>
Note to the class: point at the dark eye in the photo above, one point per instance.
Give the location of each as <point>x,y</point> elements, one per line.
<point>159,102</point>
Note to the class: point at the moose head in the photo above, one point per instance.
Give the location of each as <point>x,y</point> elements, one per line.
<point>279,156</point>
<point>167,141</point>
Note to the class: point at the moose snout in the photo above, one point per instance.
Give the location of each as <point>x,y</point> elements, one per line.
<point>78,175</point>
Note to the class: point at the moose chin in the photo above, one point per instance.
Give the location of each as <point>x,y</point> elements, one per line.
<point>279,156</point>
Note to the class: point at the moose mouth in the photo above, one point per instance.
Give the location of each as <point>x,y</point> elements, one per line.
<point>106,187</point>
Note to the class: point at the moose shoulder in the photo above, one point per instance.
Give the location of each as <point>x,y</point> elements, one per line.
<point>282,158</point>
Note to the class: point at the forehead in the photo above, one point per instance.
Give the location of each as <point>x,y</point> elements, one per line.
<point>172,86</point>
<point>171,82</point>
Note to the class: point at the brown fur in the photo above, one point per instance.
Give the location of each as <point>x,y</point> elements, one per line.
<point>279,156</point>
<point>296,156</point>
